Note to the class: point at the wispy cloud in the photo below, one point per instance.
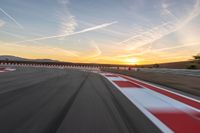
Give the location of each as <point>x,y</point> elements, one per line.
<point>167,12</point>
<point>68,23</point>
<point>63,2</point>
<point>12,18</point>
<point>148,36</point>
<point>167,49</point>
<point>178,46</point>
<point>162,30</point>
<point>16,35</point>
<point>2,23</point>
<point>96,52</point>
<point>67,53</point>
<point>42,50</point>
<point>12,34</point>
<point>74,33</point>
<point>194,13</point>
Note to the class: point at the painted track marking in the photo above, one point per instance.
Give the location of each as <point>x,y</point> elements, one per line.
<point>6,69</point>
<point>169,111</point>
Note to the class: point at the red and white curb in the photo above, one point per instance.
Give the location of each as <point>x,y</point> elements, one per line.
<point>6,70</point>
<point>168,110</point>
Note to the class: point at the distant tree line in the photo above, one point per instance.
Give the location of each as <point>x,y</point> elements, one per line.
<point>195,60</point>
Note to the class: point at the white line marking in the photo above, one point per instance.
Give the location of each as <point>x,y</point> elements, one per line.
<point>117,79</point>
<point>146,99</point>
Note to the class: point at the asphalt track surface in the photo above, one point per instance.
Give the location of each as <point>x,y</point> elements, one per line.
<point>46,100</point>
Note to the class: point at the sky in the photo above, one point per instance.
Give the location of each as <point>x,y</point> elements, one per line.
<point>101,31</point>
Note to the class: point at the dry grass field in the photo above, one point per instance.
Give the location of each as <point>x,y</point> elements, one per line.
<point>183,83</point>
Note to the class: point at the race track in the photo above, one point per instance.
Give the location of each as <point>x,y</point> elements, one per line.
<point>50,100</point>
<point>45,100</point>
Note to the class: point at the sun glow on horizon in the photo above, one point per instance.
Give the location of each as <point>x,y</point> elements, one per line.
<point>131,61</point>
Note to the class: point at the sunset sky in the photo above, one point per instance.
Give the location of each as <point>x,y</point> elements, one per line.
<point>101,31</point>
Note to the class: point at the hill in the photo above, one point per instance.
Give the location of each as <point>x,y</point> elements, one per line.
<point>15,58</point>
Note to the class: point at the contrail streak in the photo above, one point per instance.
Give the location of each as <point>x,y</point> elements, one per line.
<point>162,30</point>
<point>176,47</point>
<point>147,33</point>
<point>14,20</point>
<point>74,33</point>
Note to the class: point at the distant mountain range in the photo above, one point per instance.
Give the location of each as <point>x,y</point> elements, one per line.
<point>15,58</point>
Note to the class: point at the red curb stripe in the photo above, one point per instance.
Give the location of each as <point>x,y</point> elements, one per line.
<point>126,84</point>
<point>178,121</point>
